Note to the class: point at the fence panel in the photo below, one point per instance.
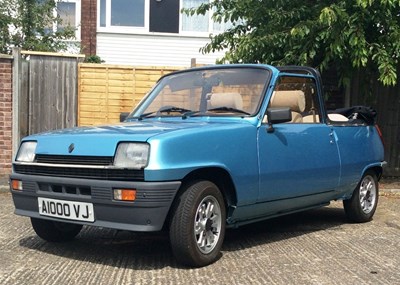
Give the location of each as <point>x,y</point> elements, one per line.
<point>386,101</point>
<point>107,90</point>
<point>388,107</point>
<point>52,92</point>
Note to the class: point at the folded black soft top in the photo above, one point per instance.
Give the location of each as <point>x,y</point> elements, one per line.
<point>358,114</point>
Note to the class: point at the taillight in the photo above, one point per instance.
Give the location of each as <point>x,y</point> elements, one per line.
<point>379,133</point>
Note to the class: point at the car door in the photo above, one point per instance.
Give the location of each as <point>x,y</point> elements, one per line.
<point>299,160</point>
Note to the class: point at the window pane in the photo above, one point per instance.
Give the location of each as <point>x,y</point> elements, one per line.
<point>298,94</point>
<point>67,13</point>
<point>127,13</point>
<point>103,9</point>
<point>164,16</point>
<point>196,23</point>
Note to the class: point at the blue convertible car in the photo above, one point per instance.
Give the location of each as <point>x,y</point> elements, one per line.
<point>207,148</point>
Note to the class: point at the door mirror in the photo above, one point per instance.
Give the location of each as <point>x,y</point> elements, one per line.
<point>278,116</point>
<point>123,116</point>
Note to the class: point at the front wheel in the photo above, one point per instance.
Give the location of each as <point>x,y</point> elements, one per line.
<point>360,208</point>
<point>197,226</point>
<point>55,231</point>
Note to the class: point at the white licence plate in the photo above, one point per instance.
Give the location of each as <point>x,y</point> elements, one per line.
<point>69,210</point>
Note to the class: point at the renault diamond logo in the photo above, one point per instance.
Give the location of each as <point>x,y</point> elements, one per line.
<point>71,148</point>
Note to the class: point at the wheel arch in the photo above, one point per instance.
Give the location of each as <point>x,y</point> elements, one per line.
<point>217,175</point>
<point>377,169</point>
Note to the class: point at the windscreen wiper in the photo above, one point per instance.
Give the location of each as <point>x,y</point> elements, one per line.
<point>165,109</point>
<point>144,115</point>
<point>169,109</point>
<point>228,109</point>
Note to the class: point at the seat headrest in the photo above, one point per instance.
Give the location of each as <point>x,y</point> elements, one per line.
<point>230,100</point>
<point>294,99</point>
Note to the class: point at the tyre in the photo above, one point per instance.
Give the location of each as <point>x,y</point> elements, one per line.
<point>197,225</point>
<point>360,208</point>
<point>55,231</point>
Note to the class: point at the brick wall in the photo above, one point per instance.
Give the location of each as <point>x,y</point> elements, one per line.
<point>5,114</point>
<point>88,26</point>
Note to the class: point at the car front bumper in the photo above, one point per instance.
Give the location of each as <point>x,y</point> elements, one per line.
<point>147,213</point>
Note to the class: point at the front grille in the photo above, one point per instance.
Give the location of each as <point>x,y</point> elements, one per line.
<point>74,159</point>
<point>75,190</point>
<point>81,172</point>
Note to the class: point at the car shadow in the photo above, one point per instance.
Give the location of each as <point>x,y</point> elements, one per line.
<point>147,251</point>
<point>285,227</point>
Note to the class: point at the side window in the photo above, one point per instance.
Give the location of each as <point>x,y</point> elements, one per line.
<point>300,95</point>
<point>124,14</point>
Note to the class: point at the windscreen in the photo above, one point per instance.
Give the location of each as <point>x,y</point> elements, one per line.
<point>220,92</point>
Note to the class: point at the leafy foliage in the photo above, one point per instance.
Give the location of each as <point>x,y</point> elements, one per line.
<point>29,24</point>
<point>93,59</point>
<point>346,34</point>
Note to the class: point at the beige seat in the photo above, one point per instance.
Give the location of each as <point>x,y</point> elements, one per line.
<point>229,100</point>
<point>311,119</point>
<point>293,99</point>
<point>332,117</point>
<point>337,117</point>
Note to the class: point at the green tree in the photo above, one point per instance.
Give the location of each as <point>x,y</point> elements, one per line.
<point>29,24</point>
<point>349,35</point>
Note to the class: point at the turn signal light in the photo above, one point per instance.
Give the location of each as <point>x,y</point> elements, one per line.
<point>16,185</point>
<point>125,194</point>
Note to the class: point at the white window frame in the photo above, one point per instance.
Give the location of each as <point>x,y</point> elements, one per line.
<point>195,33</point>
<point>123,29</point>
<point>77,17</point>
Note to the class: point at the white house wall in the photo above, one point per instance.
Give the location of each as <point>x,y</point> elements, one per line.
<point>152,50</point>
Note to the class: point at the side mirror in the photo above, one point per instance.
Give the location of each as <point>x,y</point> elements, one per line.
<point>278,116</point>
<point>123,116</point>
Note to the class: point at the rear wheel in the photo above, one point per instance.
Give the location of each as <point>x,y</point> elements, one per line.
<point>197,226</point>
<point>55,231</point>
<point>361,206</point>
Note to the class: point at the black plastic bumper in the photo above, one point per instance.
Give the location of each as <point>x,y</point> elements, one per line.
<point>147,213</point>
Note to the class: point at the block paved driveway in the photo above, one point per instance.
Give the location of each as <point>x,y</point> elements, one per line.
<point>315,247</point>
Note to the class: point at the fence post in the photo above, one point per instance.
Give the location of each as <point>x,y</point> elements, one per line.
<point>16,87</point>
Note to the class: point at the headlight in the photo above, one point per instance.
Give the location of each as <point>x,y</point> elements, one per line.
<point>26,152</point>
<point>131,155</point>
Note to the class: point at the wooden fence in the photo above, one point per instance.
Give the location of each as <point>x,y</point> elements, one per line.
<point>386,101</point>
<point>104,91</point>
<point>44,92</point>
